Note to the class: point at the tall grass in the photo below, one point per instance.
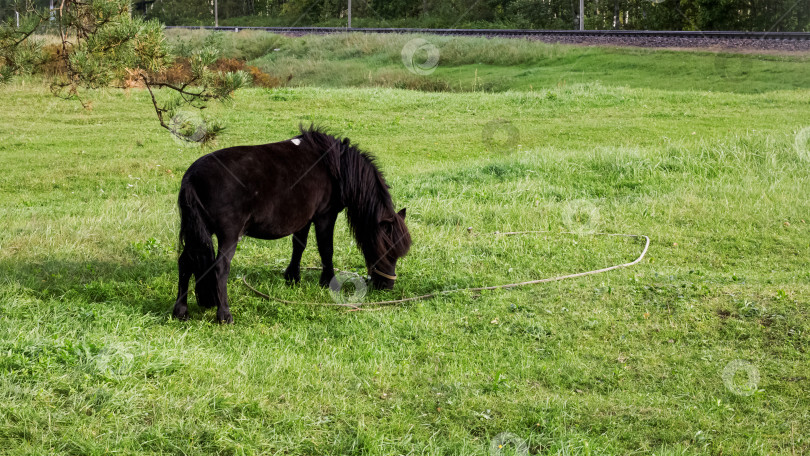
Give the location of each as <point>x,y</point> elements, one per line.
<point>245,45</point>
<point>467,64</point>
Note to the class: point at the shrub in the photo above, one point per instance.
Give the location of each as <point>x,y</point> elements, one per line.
<point>262,79</point>
<point>53,62</point>
<point>227,65</point>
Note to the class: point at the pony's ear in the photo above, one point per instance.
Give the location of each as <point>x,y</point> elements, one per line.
<point>401,213</point>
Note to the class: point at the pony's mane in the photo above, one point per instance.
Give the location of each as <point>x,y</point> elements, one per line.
<point>364,192</point>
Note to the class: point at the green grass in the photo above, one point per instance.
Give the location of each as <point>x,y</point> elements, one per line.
<point>627,361</point>
<point>497,65</point>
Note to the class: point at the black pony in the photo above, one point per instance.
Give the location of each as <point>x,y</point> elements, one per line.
<point>274,190</point>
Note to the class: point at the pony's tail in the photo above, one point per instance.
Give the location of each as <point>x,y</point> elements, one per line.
<point>196,246</point>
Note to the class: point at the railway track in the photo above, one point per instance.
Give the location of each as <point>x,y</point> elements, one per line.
<point>541,34</point>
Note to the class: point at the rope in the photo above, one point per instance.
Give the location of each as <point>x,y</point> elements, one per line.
<point>354,307</point>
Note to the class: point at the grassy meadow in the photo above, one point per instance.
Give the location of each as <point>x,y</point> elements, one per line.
<point>495,65</point>
<point>702,348</point>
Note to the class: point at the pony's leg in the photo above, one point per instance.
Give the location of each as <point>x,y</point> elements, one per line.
<point>181,303</point>
<point>293,272</point>
<point>222,268</point>
<point>324,233</point>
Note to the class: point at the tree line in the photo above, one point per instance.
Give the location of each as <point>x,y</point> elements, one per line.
<point>750,15</point>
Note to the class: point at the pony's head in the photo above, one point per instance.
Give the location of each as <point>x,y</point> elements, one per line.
<point>380,232</point>
<point>392,241</point>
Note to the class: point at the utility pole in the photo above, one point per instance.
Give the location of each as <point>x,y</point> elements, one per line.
<point>216,15</point>
<point>582,14</point>
<point>17,14</point>
<point>350,14</point>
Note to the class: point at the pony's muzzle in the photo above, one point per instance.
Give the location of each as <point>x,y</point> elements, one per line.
<point>382,284</point>
<point>382,280</point>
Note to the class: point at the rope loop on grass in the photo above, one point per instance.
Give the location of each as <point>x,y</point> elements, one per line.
<point>358,306</point>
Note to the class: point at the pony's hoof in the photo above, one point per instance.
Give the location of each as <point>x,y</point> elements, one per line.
<point>180,315</point>
<point>325,282</point>
<point>224,317</point>
<point>292,278</point>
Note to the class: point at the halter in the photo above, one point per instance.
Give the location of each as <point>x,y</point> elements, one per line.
<point>382,274</point>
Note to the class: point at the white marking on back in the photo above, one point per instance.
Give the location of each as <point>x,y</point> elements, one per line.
<point>296,141</point>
